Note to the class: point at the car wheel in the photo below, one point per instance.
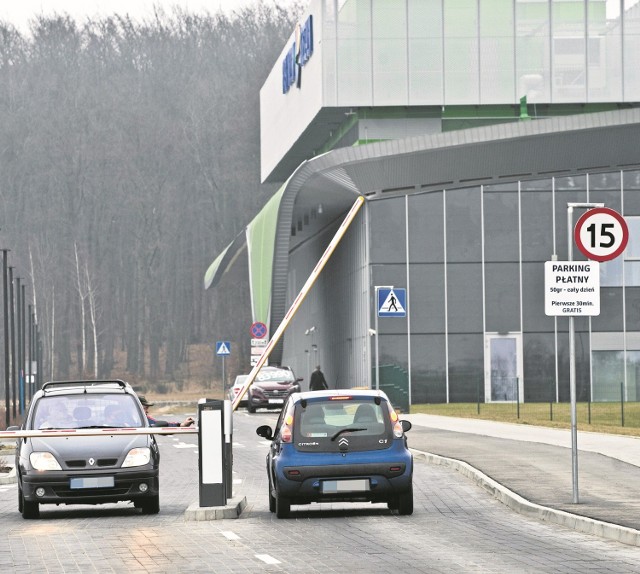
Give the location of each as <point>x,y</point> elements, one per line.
<point>251,409</point>
<point>27,508</point>
<point>151,505</point>
<point>405,503</point>
<point>283,506</point>
<point>272,501</point>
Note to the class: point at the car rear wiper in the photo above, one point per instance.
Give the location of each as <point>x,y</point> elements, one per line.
<point>350,429</point>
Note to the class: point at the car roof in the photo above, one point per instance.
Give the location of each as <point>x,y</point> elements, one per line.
<point>356,393</point>
<point>57,388</point>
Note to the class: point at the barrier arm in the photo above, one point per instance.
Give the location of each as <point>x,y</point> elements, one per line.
<point>299,299</point>
<point>97,432</point>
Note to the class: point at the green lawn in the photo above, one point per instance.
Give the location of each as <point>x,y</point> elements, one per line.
<point>596,417</point>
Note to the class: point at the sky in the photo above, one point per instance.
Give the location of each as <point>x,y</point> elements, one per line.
<point>18,12</point>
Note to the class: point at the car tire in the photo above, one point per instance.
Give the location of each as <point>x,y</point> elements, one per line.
<point>29,509</point>
<point>251,409</point>
<point>272,501</point>
<point>150,505</point>
<point>405,503</point>
<point>283,506</point>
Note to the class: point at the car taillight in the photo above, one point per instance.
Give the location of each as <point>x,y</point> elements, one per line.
<point>286,434</point>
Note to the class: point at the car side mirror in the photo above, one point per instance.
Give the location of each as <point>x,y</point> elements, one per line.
<point>265,432</point>
<point>406,425</point>
<point>160,424</point>
<point>13,428</point>
<point>299,379</point>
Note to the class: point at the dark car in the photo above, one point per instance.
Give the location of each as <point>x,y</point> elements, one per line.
<point>86,469</point>
<point>271,387</point>
<point>339,446</point>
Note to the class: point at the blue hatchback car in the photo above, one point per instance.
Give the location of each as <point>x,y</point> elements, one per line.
<point>338,446</point>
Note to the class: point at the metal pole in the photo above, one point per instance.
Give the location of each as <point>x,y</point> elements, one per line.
<point>572,355</point>
<point>377,346</point>
<point>572,372</point>
<point>12,313</point>
<point>5,294</point>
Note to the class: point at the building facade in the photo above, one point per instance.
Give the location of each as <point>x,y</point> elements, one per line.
<point>468,126</point>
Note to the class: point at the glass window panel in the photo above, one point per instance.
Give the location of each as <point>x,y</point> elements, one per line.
<point>427,298</point>
<point>461,51</point>
<point>502,289</point>
<point>632,297</point>
<point>632,389</point>
<point>533,316</point>
<point>631,49</point>
<point>388,242</point>
<point>389,52</point>
<point>466,368</point>
<point>605,51</point>
<point>426,228</point>
<point>532,51</point>
<point>463,225</point>
<point>354,52</point>
<point>464,298</point>
<point>569,51</point>
<point>607,375</point>
<point>610,318</point>
<point>504,370</point>
<point>497,52</point>
<point>537,225</point>
<point>539,367</point>
<point>428,369</point>
<point>501,229</point>
<point>425,52</point>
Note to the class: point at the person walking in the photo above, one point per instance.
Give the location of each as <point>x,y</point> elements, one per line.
<point>317,382</point>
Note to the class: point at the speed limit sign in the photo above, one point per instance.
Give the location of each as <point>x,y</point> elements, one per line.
<point>601,234</point>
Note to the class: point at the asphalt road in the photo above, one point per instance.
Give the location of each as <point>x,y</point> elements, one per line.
<point>456,527</point>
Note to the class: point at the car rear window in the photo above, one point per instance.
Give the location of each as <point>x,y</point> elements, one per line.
<point>320,425</point>
<point>86,411</point>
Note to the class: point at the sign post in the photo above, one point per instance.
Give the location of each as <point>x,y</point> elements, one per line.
<point>573,289</point>
<point>223,349</point>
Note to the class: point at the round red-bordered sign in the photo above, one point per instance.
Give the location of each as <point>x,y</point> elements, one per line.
<point>601,234</point>
<point>258,330</point>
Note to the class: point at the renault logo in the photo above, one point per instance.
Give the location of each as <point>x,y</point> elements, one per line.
<point>92,461</point>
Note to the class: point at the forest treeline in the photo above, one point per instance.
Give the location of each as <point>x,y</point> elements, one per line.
<point>129,158</point>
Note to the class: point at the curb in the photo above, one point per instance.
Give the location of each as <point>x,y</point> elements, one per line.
<point>10,477</point>
<point>521,505</point>
<point>233,509</point>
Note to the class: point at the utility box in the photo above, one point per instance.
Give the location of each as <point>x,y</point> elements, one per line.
<point>212,453</point>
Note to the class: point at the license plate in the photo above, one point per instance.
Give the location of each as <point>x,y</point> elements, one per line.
<point>349,485</point>
<point>92,482</point>
<point>276,401</point>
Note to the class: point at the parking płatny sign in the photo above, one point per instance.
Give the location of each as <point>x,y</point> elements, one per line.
<point>572,288</point>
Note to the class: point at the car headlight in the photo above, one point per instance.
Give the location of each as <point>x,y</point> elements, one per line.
<point>44,461</point>
<point>137,457</point>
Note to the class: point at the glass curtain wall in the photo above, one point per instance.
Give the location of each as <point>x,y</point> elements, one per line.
<point>476,286</point>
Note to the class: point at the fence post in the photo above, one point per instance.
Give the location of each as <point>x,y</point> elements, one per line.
<point>518,397</point>
<point>478,395</point>
<point>622,402</point>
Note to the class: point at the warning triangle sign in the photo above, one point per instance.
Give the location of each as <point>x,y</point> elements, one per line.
<point>392,304</point>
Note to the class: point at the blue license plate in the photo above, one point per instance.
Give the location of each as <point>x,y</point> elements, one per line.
<point>92,482</point>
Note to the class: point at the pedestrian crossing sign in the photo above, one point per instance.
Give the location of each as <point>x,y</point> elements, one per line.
<point>223,348</point>
<point>392,302</point>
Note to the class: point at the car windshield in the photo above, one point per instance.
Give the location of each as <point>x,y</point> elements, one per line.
<point>78,411</point>
<point>330,419</point>
<point>273,375</point>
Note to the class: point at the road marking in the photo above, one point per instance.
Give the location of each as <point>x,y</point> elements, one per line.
<point>267,559</point>
<point>238,445</point>
<point>185,445</point>
<point>237,481</point>
<point>229,535</point>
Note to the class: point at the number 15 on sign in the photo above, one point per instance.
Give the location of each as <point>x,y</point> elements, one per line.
<point>601,234</point>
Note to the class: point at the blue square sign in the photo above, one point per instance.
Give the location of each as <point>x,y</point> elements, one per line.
<point>392,302</point>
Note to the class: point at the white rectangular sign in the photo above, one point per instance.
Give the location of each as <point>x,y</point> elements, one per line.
<point>572,288</point>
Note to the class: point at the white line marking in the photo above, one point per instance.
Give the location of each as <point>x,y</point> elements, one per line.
<point>185,445</point>
<point>229,535</point>
<point>267,559</point>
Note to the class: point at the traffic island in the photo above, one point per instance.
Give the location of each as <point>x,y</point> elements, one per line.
<point>232,509</point>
